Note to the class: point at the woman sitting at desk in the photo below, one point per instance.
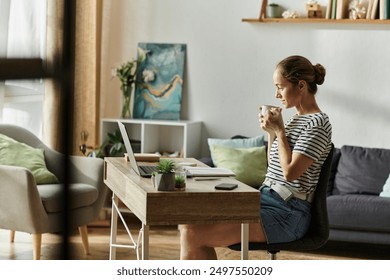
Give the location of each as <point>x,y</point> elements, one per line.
<point>297,151</point>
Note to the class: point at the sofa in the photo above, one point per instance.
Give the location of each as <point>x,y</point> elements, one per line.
<point>358,195</point>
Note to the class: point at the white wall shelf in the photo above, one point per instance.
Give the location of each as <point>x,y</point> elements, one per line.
<point>160,135</point>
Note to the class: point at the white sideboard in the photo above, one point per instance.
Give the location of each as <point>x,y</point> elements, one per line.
<point>160,135</point>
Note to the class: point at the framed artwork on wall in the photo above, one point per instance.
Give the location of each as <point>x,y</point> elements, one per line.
<point>158,90</point>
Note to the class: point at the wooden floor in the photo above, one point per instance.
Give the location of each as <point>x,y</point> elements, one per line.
<point>164,244</point>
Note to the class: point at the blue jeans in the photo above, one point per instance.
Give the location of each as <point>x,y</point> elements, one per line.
<point>283,221</point>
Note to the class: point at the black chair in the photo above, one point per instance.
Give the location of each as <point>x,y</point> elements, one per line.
<point>318,232</point>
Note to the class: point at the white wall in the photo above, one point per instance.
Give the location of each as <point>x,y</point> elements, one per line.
<point>230,64</point>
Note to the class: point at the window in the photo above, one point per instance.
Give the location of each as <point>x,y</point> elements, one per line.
<point>22,35</point>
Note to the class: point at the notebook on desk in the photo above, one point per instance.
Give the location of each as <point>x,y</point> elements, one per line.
<point>141,170</point>
<point>209,172</point>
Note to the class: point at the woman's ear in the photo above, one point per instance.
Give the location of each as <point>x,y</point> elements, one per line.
<point>302,86</point>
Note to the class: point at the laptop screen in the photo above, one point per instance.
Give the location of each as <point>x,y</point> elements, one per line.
<point>129,150</point>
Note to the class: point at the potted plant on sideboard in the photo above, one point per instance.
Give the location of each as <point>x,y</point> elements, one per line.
<point>112,147</point>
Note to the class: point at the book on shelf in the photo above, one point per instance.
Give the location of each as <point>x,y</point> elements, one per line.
<point>375,9</point>
<point>334,9</point>
<point>342,9</point>
<point>369,9</point>
<point>384,9</point>
<point>382,4</point>
<point>328,13</point>
<point>387,10</point>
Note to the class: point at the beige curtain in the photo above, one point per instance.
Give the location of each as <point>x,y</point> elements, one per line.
<point>87,73</point>
<point>52,133</point>
<point>85,109</point>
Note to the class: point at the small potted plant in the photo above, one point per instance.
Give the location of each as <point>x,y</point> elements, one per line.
<point>164,178</point>
<point>180,182</point>
<point>273,11</point>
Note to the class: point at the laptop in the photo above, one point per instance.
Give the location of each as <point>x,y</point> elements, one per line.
<point>141,170</point>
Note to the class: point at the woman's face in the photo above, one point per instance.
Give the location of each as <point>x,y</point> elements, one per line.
<point>286,92</point>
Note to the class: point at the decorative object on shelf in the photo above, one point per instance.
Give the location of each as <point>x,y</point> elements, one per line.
<point>127,75</point>
<point>290,14</point>
<point>313,9</point>
<point>273,11</point>
<point>158,90</point>
<point>112,147</point>
<point>164,178</point>
<point>126,113</point>
<point>357,10</point>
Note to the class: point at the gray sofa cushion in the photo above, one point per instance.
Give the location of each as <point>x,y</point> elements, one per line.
<point>80,195</point>
<point>362,170</point>
<point>359,212</point>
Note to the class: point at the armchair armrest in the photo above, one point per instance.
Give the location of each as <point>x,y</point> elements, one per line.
<point>86,170</point>
<point>19,194</point>
<point>89,170</point>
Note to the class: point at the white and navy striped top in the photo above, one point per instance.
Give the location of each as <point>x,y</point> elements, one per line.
<point>307,134</point>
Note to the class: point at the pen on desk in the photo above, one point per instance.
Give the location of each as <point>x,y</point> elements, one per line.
<point>206,178</point>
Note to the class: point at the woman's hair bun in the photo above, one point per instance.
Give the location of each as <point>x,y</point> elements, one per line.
<point>320,73</point>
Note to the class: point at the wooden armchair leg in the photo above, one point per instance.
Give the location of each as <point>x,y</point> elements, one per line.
<point>11,236</point>
<point>84,238</point>
<point>37,240</point>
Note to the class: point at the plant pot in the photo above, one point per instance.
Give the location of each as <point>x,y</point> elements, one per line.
<point>164,181</point>
<point>274,12</point>
<point>180,179</point>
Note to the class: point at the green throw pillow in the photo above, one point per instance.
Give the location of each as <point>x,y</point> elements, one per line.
<point>249,164</point>
<point>251,142</point>
<point>19,154</point>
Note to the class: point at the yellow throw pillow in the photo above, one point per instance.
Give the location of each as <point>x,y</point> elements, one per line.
<point>19,154</point>
<point>249,164</point>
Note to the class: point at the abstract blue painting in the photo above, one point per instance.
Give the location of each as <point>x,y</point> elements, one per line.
<point>159,85</point>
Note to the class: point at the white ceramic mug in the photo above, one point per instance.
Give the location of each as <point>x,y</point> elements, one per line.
<point>265,108</point>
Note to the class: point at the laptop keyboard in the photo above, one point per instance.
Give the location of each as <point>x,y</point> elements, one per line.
<point>148,169</point>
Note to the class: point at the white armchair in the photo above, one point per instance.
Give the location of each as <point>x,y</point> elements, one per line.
<point>37,209</point>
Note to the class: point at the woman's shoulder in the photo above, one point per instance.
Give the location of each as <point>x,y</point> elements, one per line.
<point>320,118</point>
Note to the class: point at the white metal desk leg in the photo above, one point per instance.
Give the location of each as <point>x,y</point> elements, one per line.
<point>145,242</point>
<point>244,241</point>
<point>114,227</point>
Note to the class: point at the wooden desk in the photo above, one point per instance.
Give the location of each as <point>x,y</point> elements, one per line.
<point>200,203</point>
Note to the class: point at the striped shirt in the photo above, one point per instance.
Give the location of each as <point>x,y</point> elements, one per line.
<point>311,136</point>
